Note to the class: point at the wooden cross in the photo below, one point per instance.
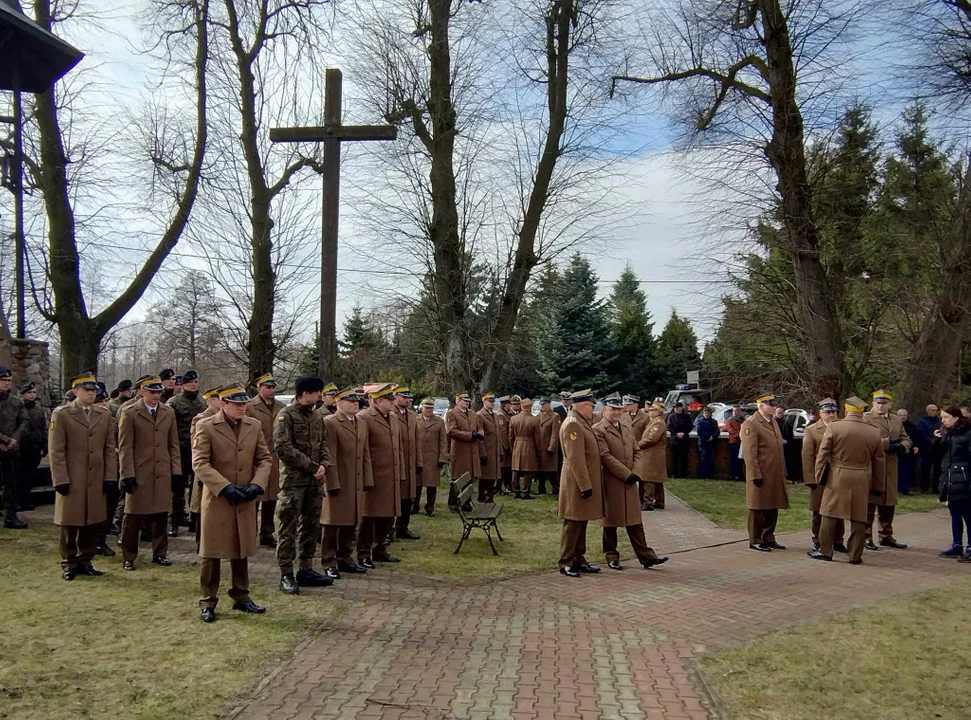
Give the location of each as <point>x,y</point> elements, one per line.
<point>331,133</point>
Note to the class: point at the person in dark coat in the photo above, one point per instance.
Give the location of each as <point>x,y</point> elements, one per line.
<point>679,425</point>
<point>788,437</point>
<point>955,479</point>
<point>33,442</point>
<point>929,448</point>
<point>907,463</point>
<point>707,438</point>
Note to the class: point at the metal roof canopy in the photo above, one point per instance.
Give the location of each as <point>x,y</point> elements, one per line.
<point>31,58</point>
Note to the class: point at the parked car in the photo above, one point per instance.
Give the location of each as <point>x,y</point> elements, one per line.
<point>799,419</point>
<point>535,410</point>
<point>441,406</point>
<point>285,399</point>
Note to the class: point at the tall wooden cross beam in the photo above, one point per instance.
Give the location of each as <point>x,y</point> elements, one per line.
<point>331,133</point>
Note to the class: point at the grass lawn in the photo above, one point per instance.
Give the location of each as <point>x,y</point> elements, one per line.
<point>129,643</point>
<point>723,502</point>
<point>900,659</point>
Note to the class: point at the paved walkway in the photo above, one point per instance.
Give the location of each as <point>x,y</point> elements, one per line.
<point>614,645</point>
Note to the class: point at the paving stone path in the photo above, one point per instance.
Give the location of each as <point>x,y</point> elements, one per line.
<point>613,645</point>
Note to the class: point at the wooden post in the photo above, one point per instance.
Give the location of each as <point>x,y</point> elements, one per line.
<point>330,207</point>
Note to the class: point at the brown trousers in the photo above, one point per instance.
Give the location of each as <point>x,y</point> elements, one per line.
<point>336,545</point>
<point>828,532</point>
<point>573,543</point>
<point>654,494</point>
<point>838,533</point>
<point>267,508</point>
<point>635,533</point>
<point>129,535</point>
<point>884,514</point>
<point>522,482</point>
<point>78,544</point>
<point>373,537</point>
<point>761,526</point>
<point>431,494</point>
<point>209,581</point>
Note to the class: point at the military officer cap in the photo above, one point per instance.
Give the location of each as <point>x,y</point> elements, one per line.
<point>544,400</point>
<point>828,405</point>
<point>189,376</point>
<point>855,404</point>
<point>166,373</point>
<point>882,396</point>
<point>348,393</point>
<point>113,394</point>
<point>526,401</point>
<point>28,386</point>
<point>102,393</point>
<point>768,399</point>
<point>307,384</point>
<point>427,402</point>
<point>233,394</point>
<point>381,391</point>
<point>488,396</point>
<point>578,396</point>
<point>515,399</point>
<point>211,392</point>
<point>565,395</point>
<point>267,380</point>
<point>613,401</point>
<point>631,400</point>
<point>85,380</point>
<point>359,391</point>
<point>330,389</point>
<point>462,396</point>
<point>149,382</point>
<point>657,406</point>
<point>504,400</point>
<point>403,391</point>
<point>125,384</point>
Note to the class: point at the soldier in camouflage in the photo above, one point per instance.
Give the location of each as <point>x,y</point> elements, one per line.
<point>12,420</point>
<point>298,437</point>
<point>125,393</point>
<point>187,404</point>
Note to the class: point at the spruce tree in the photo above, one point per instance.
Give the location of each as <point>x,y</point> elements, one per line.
<point>677,352</point>
<point>634,369</point>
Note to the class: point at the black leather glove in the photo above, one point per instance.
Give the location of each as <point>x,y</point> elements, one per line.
<point>418,471</point>
<point>333,491</point>
<point>875,493</point>
<point>586,493</point>
<point>252,491</point>
<point>62,489</point>
<point>633,478</point>
<point>757,482</point>
<point>128,485</point>
<point>441,465</point>
<point>483,458</point>
<point>233,495</point>
<point>368,488</point>
<point>478,436</point>
<point>108,486</point>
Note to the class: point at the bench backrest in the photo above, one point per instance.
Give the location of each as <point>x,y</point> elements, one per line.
<point>465,489</point>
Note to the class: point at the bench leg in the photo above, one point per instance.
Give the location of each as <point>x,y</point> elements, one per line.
<point>488,532</point>
<point>465,536</point>
<point>498,534</point>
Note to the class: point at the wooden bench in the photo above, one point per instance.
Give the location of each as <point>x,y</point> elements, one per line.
<point>473,514</point>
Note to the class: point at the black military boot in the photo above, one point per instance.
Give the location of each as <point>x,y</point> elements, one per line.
<point>173,527</point>
<point>308,577</point>
<point>12,522</point>
<point>288,584</point>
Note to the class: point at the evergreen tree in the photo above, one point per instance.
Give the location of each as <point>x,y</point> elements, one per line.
<point>634,369</point>
<point>677,352</point>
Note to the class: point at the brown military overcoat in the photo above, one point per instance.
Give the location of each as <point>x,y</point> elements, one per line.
<point>433,446</point>
<point>524,434</point>
<point>410,457</point>
<point>384,447</point>
<point>618,456</point>
<point>549,441</point>
<point>149,452</point>
<point>502,428</point>
<point>581,471</point>
<point>82,455</point>
<point>638,421</point>
<point>653,463</point>
<point>853,457</point>
<point>889,426</point>
<point>195,504</point>
<point>490,447</point>
<point>221,458</point>
<point>810,446</point>
<point>464,450</point>
<point>350,473</point>
<point>762,450</point>
<point>266,414</point>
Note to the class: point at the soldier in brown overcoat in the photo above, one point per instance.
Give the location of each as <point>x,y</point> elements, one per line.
<point>433,446</point>
<point>232,460</point>
<point>84,468</point>
<point>896,442</point>
<point>411,460</point>
<point>653,465</point>
<point>211,396</point>
<point>503,419</point>
<point>635,415</point>
<point>490,449</point>
<point>765,474</point>
<point>850,469</point>
<point>148,453</point>
<point>383,502</point>
<point>548,448</point>
<point>622,509</point>
<point>524,434</point>
<point>265,407</point>
<point>581,485</point>
<point>462,426</point>
<point>349,478</point>
<point>811,441</point>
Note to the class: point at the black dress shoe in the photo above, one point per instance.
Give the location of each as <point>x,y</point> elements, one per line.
<point>173,530</point>
<point>430,513</point>
<point>161,560</point>
<point>288,585</point>
<point>14,523</point>
<point>207,614</point>
<point>870,546</point>
<point>815,547</point>
<point>527,497</point>
<point>856,562</point>
<point>333,573</point>
<point>816,555</point>
<point>776,546</point>
<point>761,547</point>
<point>105,551</point>
<point>569,572</point>
<point>615,565</point>
<point>656,561</point>
<point>68,574</point>
<point>351,567</point>
<point>892,543</point>
<point>128,565</point>
<point>407,534</point>
<point>386,558</point>
<point>268,541</point>
<point>249,607</point>
<point>365,562</point>
<point>587,568</point>
<point>312,578</point>
<point>840,547</point>
<point>89,569</point>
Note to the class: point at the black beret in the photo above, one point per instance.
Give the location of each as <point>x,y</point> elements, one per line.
<point>28,386</point>
<point>5,372</point>
<point>166,373</point>
<point>309,384</point>
<point>125,385</point>
<point>189,376</point>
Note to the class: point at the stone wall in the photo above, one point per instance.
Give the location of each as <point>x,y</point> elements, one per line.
<point>29,360</point>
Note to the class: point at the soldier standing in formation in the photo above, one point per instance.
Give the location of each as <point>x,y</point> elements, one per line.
<point>765,472</point>
<point>12,419</point>
<point>211,396</point>
<point>232,461</point>
<point>548,448</point>
<point>83,470</point>
<point>504,486</point>
<point>411,460</point>
<point>524,434</point>
<point>463,430</point>
<point>490,449</point>
<point>112,492</point>
<point>328,399</point>
<point>581,485</point>
<point>265,408</point>
<point>653,465</point>
<point>432,443</point>
<point>298,436</point>
<point>167,378</point>
<point>124,391</point>
<point>811,441</point>
<point>33,442</point>
<point>382,503</point>
<point>346,483</point>
<point>850,470</point>
<point>186,405</point>
<point>895,442</point>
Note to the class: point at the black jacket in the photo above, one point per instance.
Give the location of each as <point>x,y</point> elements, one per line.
<point>956,464</point>
<point>679,423</point>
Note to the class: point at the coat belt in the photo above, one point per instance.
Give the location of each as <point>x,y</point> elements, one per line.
<point>852,466</point>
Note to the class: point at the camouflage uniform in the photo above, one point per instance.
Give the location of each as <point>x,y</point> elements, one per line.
<point>12,420</point>
<point>298,437</point>
<point>117,404</point>
<point>186,406</point>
